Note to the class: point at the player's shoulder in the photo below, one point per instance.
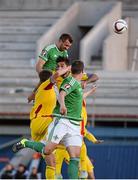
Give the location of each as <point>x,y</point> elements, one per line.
<point>50,47</point>
<point>46,84</point>
<point>71,80</point>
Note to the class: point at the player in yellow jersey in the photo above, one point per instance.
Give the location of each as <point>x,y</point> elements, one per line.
<point>45,99</point>
<point>86,167</point>
<point>43,106</point>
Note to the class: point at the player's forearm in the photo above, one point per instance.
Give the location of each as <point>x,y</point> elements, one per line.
<point>39,68</point>
<point>90,136</point>
<point>39,65</point>
<point>31,97</point>
<point>35,89</point>
<point>90,92</point>
<point>93,78</point>
<point>63,109</point>
<point>60,72</point>
<point>62,98</point>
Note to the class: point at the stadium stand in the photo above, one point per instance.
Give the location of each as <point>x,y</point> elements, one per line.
<point>20,28</point>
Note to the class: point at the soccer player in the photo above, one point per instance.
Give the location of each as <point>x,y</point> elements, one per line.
<point>47,58</point>
<point>61,154</point>
<point>86,167</point>
<point>45,99</point>
<point>66,125</point>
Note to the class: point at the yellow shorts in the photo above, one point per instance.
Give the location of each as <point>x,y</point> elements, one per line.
<point>39,127</point>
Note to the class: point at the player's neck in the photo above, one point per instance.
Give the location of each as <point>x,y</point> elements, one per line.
<point>58,46</point>
<point>78,77</point>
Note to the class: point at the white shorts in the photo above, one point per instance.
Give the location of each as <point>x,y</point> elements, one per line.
<point>64,132</point>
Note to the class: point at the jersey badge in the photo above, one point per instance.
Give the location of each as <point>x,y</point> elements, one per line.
<point>67,86</point>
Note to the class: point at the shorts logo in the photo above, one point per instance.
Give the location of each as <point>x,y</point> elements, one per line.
<point>67,86</point>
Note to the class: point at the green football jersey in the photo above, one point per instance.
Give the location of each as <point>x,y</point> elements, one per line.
<point>73,99</point>
<point>50,54</point>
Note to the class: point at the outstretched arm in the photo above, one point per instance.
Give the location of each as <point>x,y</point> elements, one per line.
<point>31,97</point>
<point>58,73</point>
<point>39,65</point>
<point>92,78</point>
<point>91,137</point>
<point>90,92</point>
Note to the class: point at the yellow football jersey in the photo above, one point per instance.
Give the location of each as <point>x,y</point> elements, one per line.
<point>45,100</point>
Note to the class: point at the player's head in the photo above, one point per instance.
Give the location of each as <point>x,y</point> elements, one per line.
<point>45,75</point>
<point>77,68</point>
<point>65,42</point>
<point>63,63</point>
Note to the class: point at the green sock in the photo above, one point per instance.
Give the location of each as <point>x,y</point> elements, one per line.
<point>37,146</point>
<point>73,168</point>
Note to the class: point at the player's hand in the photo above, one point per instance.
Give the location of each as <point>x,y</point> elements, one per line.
<point>93,89</point>
<point>98,141</point>
<point>31,97</point>
<point>63,110</point>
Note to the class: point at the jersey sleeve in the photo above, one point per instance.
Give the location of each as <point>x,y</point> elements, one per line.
<point>68,86</point>
<point>44,54</point>
<point>90,136</point>
<point>86,76</point>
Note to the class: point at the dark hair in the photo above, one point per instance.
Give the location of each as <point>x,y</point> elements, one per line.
<point>65,37</point>
<point>45,75</point>
<point>77,67</point>
<point>63,59</point>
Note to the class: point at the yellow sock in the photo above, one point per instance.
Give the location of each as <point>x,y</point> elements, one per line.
<point>50,172</point>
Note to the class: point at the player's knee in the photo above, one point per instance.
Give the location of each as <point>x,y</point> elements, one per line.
<point>49,148</point>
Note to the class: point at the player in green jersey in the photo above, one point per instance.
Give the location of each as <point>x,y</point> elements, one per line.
<point>48,56</point>
<point>65,127</point>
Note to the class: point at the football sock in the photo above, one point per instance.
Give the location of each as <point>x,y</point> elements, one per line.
<point>50,172</point>
<point>73,168</point>
<point>37,146</point>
